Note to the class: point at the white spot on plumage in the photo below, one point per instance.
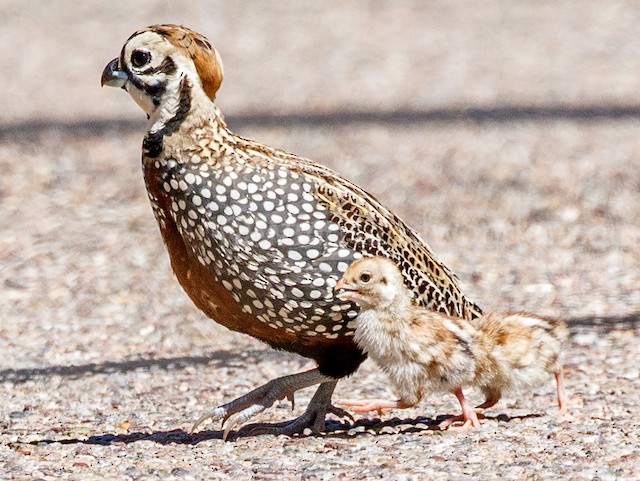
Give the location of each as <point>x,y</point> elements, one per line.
<point>315,294</point>
<point>324,267</point>
<point>264,244</point>
<point>268,205</point>
<point>261,224</point>
<point>294,255</point>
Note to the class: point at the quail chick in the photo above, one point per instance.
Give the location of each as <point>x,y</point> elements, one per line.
<point>421,351</point>
<point>257,236</point>
<point>424,351</point>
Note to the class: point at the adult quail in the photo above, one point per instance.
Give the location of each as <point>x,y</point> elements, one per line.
<point>257,236</point>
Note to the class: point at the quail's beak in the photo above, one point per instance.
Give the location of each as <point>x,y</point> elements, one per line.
<point>347,290</point>
<point>112,76</point>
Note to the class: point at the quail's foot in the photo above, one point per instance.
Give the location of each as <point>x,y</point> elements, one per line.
<point>245,407</point>
<point>312,419</point>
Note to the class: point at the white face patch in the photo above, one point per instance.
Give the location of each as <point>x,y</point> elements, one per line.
<point>151,79</point>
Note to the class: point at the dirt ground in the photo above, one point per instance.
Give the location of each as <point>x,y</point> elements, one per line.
<point>506,134</point>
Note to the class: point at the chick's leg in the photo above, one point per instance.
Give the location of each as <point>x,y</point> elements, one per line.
<point>368,405</point>
<point>490,401</point>
<point>562,396</point>
<point>469,416</point>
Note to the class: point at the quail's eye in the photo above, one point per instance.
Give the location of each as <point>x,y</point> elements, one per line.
<point>140,58</point>
<point>365,277</point>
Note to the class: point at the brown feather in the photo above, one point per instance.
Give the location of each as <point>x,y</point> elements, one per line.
<point>205,56</point>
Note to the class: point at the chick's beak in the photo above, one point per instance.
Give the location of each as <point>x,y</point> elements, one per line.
<point>112,76</point>
<point>347,288</point>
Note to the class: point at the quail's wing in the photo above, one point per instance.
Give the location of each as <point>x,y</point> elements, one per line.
<point>372,229</point>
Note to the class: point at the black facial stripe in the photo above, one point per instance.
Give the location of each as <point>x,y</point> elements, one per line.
<point>154,91</point>
<point>152,143</point>
<point>122,62</point>
<point>167,67</point>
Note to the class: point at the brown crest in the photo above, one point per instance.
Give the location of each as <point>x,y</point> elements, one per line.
<point>204,55</point>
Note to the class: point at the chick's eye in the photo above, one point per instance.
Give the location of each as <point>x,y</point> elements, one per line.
<point>365,277</point>
<point>140,58</point>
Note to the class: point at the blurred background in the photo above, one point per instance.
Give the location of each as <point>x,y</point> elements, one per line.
<point>334,56</point>
<point>505,132</point>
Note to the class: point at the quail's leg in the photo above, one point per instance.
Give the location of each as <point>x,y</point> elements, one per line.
<point>368,405</point>
<point>469,416</point>
<point>242,409</point>
<point>313,418</point>
<point>562,397</point>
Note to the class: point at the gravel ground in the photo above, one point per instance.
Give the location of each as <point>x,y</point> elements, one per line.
<point>513,134</point>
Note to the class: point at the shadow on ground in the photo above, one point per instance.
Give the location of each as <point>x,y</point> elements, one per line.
<point>215,359</point>
<point>334,429</point>
<point>497,113</point>
<point>605,323</point>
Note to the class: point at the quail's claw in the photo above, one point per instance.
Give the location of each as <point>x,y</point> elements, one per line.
<point>466,426</point>
<point>290,396</point>
<point>215,415</point>
<point>231,420</point>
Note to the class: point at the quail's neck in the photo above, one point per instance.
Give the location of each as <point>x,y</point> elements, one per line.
<point>185,107</point>
<point>192,124</point>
